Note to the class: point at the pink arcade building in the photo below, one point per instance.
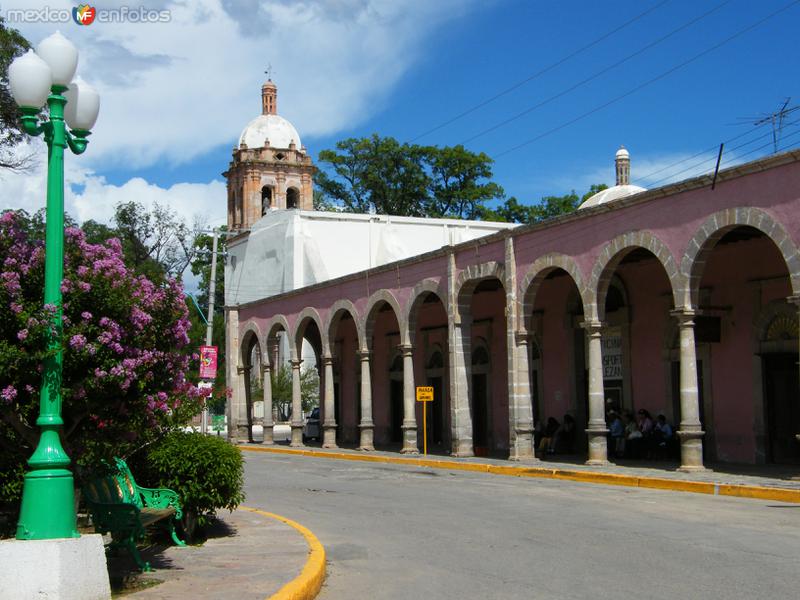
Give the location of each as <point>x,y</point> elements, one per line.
<point>681,300</point>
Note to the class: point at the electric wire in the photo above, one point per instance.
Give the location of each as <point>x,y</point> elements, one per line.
<point>541,72</point>
<point>599,73</point>
<point>711,156</point>
<point>650,81</point>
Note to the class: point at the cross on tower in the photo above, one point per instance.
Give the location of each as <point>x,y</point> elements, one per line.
<point>268,72</point>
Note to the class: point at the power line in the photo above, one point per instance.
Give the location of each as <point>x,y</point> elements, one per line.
<point>649,81</point>
<point>656,182</point>
<point>541,72</point>
<point>595,75</point>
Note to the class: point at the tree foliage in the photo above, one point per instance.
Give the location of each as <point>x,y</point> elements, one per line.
<point>381,175</point>
<point>282,390</point>
<point>512,211</point>
<point>125,341</point>
<point>12,44</point>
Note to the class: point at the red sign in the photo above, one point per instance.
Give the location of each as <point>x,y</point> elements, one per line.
<point>208,362</point>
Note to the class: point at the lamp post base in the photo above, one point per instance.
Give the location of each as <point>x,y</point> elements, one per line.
<point>63,569</point>
<point>48,505</point>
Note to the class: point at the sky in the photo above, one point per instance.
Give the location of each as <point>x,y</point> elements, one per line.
<point>549,90</point>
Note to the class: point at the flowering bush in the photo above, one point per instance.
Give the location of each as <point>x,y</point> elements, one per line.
<point>124,340</point>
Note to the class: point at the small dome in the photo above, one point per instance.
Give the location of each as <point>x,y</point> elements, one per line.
<point>612,193</point>
<point>274,128</point>
<point>622,153</point>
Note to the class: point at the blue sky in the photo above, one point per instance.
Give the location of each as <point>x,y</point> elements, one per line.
<point>176,95</point>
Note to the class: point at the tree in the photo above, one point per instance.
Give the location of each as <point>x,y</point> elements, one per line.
<point>456,176</point>
<point>12,44</point>
<point>126,350</point>
<point>381,175</point>
<point>282,390</point>
<point>156,243</point>
<point>512,211</point>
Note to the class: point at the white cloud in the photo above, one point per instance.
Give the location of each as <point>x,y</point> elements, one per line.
<point>174,91</point>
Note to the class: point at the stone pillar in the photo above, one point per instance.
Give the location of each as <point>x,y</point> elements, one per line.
<point>242,416</point>
<point>520,396</point>
<point>297,405</point>
<point>329,424</point>
<point>459,369</point>
<point>520,414</point>
<point>266,371</point>
<point>409,400</point>
<point>690,433</point>
<point>597,430</point>
<point>232,372</point>
<point>366,426</point>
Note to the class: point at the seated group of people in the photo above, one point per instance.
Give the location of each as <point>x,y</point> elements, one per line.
<point>554,436</point>
<point>640,436</point>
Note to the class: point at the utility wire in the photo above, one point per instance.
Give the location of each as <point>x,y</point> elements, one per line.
<point>649,81</point>
<point>541,72</point>
<point>599,73</point>
<point>647,178</point>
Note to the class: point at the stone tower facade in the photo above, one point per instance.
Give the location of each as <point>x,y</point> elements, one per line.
<point>270,169</point>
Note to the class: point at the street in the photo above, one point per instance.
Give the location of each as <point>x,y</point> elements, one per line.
<point>399,532</point>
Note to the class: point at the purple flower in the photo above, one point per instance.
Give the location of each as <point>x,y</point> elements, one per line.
<point>8,394</point>
<point>22,334</point>
<point>77,342</point>
<point>86,316</point>
<point>16,308</point>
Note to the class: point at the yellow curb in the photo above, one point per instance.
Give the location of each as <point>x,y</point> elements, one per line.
<point>305,586</point>
<point>656,483</point>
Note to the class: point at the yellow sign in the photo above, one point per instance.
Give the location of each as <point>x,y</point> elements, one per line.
<point>425,394</point>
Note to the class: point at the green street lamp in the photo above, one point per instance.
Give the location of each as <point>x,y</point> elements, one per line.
<point>48,497</point>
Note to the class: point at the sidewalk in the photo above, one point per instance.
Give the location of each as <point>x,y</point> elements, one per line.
<point>769,482</point>
<point>248,556</point>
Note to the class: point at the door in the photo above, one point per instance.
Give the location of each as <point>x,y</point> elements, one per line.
<point>781,384</point>
<point>396,412</point>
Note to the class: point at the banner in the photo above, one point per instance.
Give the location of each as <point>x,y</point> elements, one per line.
<point>208,362</point>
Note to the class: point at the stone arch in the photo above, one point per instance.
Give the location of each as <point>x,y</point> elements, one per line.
<point>292,198</point>
<point>374,301</point>
<point>537,273</point>
<point>307,314</point>
<point>470,277</point>
<point>612,254</point>
<point>418,293</point>
<point>334,316</point>
<point>250,331</point>
<point>712,230</point>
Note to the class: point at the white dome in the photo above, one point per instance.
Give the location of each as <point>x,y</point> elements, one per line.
<point>622,153</point>
<point>612,193</point>
<point>277,130</point>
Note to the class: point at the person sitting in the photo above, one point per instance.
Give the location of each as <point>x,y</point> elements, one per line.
<point>617,433</point>
<point>547,442</point>
<point>662,436</point>
<point>564,439</point>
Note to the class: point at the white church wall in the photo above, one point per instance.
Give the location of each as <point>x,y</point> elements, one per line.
<point>289,249</point>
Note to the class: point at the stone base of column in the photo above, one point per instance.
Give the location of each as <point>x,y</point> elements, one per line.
<point>242,433</point>
<point>462,449</point>
<point>691,451</point>
<point>365,443</point>
<point>297,436</point>
<point>268,439</point>
<point>409,439</point>
<point>329,435</point>
<point>522,448</point>
<point>598,447</point>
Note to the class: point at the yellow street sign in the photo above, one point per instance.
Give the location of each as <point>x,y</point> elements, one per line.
<point>425,394</point>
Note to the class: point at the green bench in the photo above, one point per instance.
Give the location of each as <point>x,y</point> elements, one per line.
<point>123,509</point>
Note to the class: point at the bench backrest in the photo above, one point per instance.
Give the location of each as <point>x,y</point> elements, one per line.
<point>115,488</point>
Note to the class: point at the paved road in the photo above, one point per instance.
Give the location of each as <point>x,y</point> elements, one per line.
<point>400,532</point>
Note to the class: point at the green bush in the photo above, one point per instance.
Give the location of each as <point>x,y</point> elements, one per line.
<point>206,471</point>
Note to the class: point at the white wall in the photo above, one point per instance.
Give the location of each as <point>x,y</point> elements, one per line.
<point>289,249</point>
